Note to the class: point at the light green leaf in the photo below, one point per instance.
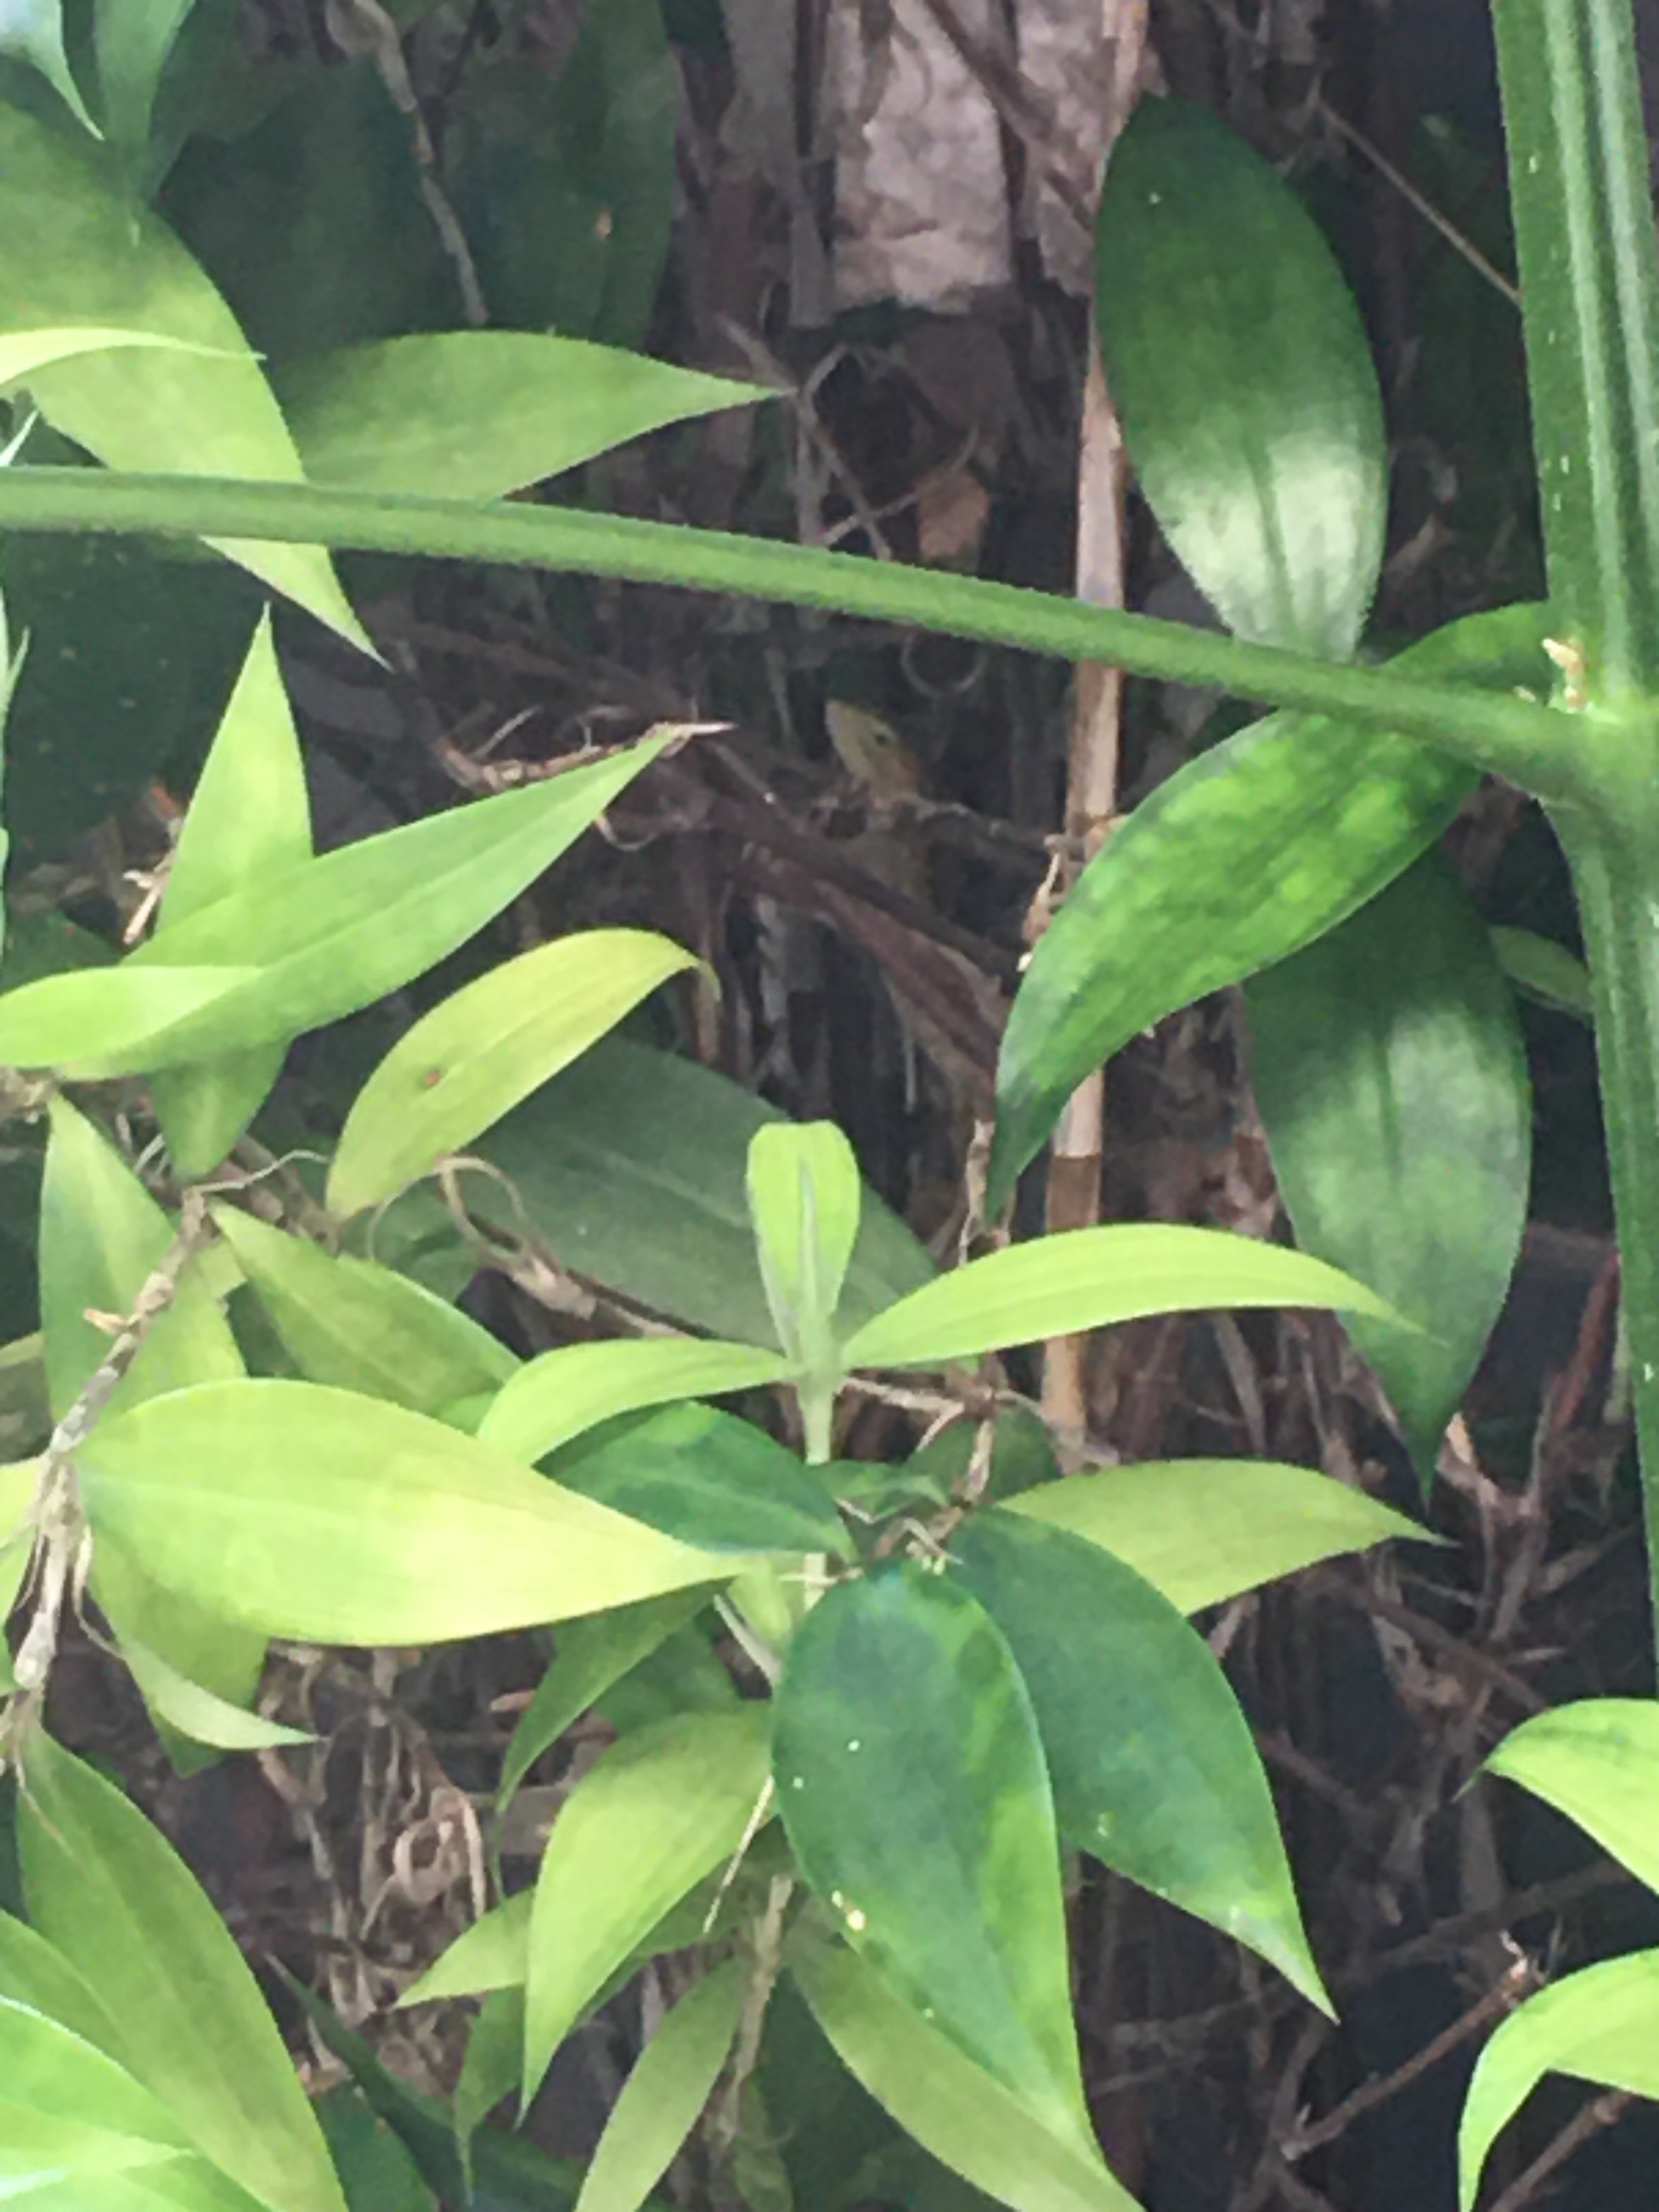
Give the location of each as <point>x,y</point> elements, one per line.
<point>49,1022</point>
<point>132,39</point>
<point>1600,2025</point>
<point>631,1167</point>
<point>1597,1761</point>
<point>471,1059</point>
<point>33,30</point>
<point>23,352</point>
<point>250,817</point>
<point>75,249</point>
<point>1085,1278</point>
<point>475,414</point>
<point>361,1327</point>
<point>493,1953</point>
<point>669,2083</point>
<point>662,1809</point>
<point>1265,464</point>
<point>964,2115</point>
<point>911,1783</point>
<point>195,1711</point>
<point>805,1197</point>
<point>556,1397</point>
<point>33,1972</point>
<point>1152,1764</point>
<point>316,1514</point>
<point>590,1656</point>
<point>494,2057</point>
<point>1541,970</point>
<point>1202,1530</point>
<point>105,1887</point>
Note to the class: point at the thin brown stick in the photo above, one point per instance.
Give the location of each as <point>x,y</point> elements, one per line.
<point>1587,2122</point>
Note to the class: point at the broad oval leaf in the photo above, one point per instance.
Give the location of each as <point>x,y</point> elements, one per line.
<point>1083,1278</point>
<point>477,414</point>
<point>661,1810</point>
<point>362,1327</point>
<point>964,2115</point>
<point>708,1479</point>
<point>471,1059</point>
<point>76,248</point>
<point>911,1783</point>
<point>805,1197</point>
<point>1391,1076</point>
<point>249,818</point>
<point>1203,1530</point>
<point>1597,1761</point>
<point>559,1394</point>
<point>106,1889</point>
<point>1153,1767</point>
<point>1265,462</point>
<point>670,2081</point>
<point>1246,854</point>
<point>1601,2024</point>
<point>315,1513</point>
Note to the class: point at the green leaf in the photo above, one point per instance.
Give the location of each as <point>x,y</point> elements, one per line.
<point>631,1167</point>
<point>1391,1076</point>
<point>75,249</point>
<point>1084,1279</point>
<point>707,1479</point>
<point>669,2083</point>
<point>1202,1530</point>
<point>590,1656</point>
<point>493,1953</point>
<point>33,30</point>
<point>556,1397</point>
<point>132,39</point>
<point>66,2104</point>
<point>1264,461</point>
<point>316,1514</point>
<point>1152,1764</point>
<point>474,1057</point>
<point>47,1024</point>
<point>910,1780</point>
<point>33,1972</point>
<point>195,1711</point>
<point>22,352</point>
<point>474,413</point>
<point>1597,1761</point>
<point>963,2115</point>
<point>1248,853</point>
<point>250,817</point>
<point>105,1887</point>
<point>1545,971</point>
<point>1600,2025</point>
<point>661,1810</point>
<point>362,1327</point>
<point>805,1197</point>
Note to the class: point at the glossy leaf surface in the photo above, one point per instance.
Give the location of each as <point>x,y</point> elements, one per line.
<point>475,414</point>
<point>361,1327</point>
<point>662,1809</point>
<point>911,1782</point>
<point>1597,1762</point>
<point>74,248</point>
<point>249,818</point>
<point>1203,1530</point>
<point>1248,853</point>
<point>561,1393</point>
<point>105,1887</point>
<point>1153,1768</point>
<point>318,1514</point>
<point>670,2081</point>
<point>1084,1279</point>
<point>631,1166</point>
<point>1601,2024</point>
<point>1264,462</point>
<point>964,2115</point>
<point>471,1059</point>
<point>1391,1076</point>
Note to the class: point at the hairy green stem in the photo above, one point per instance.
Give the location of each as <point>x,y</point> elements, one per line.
<point>1515,738</point>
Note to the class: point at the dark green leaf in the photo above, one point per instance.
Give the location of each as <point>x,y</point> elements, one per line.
<point>1263,458</point>
<point>132,39</point>
<point>1152,1764</point>
<point>1391,1077</point>
<point>1545,971</point>
<point>911,1782</point>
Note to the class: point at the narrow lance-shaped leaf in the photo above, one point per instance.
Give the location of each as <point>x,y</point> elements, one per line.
<point>1601,2026</point>
<point>132,39</point>
<point>318,1514</point>
<point>1154,1771</point>
<point>1265,464</point>
<point>1391,1076</point>
<point>804,1201</point>
<point>671,2082</point>
<point>554,1398</point>
<point>471,1059</point>
<point>33,30</point>
<point>1597,1762</point>
<point>22,352</point>
<point>249,818</point>
<point>911,1782</point>
<point>1084,1278</point>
